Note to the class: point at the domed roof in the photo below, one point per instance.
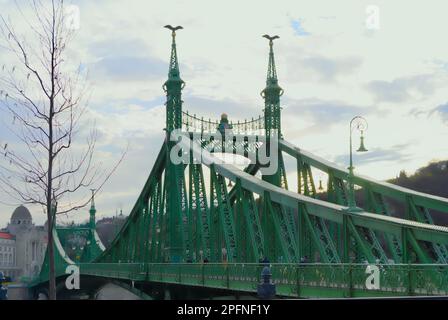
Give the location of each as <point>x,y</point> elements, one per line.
<point>21,213</point>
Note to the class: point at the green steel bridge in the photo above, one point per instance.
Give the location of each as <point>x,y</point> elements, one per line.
<point>203,224</point>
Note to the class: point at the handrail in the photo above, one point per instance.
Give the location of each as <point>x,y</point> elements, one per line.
<point>193,123</point>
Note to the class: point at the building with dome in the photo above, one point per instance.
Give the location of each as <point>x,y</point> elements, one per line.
<point>22,245</point>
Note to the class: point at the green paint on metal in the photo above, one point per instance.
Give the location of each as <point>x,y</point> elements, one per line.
<point>235,226</point>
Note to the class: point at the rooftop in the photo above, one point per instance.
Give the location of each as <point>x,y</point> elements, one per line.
<point>6,235</point>
<point>21,213</point>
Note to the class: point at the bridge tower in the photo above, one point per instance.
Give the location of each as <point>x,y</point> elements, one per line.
<point>92,211</point>
<point>272,119</point>
<point>280,235</point>
<point>173,87</point>
<point>271,94</point>
<point>91,251</point>
<point>175,190</point>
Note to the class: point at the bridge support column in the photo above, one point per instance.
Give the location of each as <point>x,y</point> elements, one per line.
<point>404,246</point>
<point>176,202</point>
<point>301,227</point>
<point>345,239</point>
<point>269,231</point>
<point>349,272</point>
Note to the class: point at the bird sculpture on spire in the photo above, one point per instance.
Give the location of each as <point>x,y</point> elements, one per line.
<point>173,29</point>
<point>271,38</point>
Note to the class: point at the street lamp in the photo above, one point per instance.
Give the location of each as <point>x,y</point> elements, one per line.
<point>360,124</point>
<point>320,188</point>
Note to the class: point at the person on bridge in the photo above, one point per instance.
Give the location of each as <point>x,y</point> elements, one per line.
<point>264,261</point>
<point>3,290</point>
<point>224,124</point>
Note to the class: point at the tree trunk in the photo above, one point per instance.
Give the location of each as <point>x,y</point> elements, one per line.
<point>50,196</point>
<point>51,264</point>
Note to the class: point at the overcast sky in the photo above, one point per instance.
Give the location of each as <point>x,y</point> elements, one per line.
<point>331,65</point>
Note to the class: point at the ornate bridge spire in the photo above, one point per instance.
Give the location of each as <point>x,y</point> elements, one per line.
<point>177,246</point>
<point>173,87</point>
<point>272,93</point>
<point>271,78</point>
<point>92,211</point>
<point>173,72</point>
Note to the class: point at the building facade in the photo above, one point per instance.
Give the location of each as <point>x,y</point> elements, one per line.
<point>22,246</point>
<point>8,262</point>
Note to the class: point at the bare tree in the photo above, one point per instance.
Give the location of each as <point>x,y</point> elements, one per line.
<point>46,102</point>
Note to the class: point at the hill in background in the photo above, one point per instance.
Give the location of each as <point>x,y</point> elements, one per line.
<point>431,179</point>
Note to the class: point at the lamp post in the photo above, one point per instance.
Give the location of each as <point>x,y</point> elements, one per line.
<point>360,124</point>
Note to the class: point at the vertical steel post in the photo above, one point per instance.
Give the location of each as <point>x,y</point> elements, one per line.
<point>174,173</point>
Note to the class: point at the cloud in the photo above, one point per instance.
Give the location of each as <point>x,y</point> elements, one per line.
<point>128,68</point>
<point>402,89</point>
<point>323,111</point>
<point>393,154</point>
<point>124,106</point>
<point>298,28</point>
<point>126,60</point>
<point>442,111</point>
<point>114,47</point>
<point>442,64</point>
<point>321,68</point>
<point>328,69</point>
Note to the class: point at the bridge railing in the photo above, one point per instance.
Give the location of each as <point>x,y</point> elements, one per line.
<point>299,280</point>
<point>192,123</point>
<point>134,271</point>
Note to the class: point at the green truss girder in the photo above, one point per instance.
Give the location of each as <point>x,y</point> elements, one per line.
<point>306,186</point>
<point>90,251</point>
<point>421,214</point>
<point>370,248</point>
<point>162,234</point>
<point>199,211</point>
<point>156,212</point>
<point>326,254</point>
<point>335,212</point>
<point>280,242</point>
<point>61,260</point>
<point>375,203</point>
<point>386,189</point>
<point>172,222</point>
<point>336,184</point>
<point>222,215</point>
<point>247,206</point>
<point>283,246</point>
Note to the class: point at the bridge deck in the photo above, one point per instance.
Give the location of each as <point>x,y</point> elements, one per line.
<point>292,280</point>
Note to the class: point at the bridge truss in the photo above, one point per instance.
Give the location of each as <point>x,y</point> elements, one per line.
<point>204,222</point>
